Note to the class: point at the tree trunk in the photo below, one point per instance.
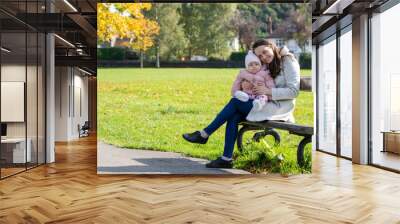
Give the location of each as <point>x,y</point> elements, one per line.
<point>141,59</point>
<point>158,58</point>
<point>157,42</point>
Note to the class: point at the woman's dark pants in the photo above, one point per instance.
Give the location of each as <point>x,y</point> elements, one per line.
<point>233,113</point>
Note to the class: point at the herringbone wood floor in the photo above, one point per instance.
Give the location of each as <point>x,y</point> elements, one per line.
<point>70,191</point>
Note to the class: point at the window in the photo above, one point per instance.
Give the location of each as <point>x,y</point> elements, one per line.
<point>346,75</point>
<point>327,96</point>
<point>22,88</point>
<point>280,42</point>
<point>385,86</point>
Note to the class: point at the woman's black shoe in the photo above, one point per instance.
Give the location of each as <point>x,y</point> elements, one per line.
<point>195,137</point>
<point>219,163</point>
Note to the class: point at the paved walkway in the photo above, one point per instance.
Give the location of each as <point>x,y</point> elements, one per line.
<point>114,160</point>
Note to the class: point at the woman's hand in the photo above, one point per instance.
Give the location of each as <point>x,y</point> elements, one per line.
<point>260,89</point>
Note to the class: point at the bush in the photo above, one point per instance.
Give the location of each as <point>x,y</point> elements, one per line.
<point>305,60</point>
<point>238,56</point>
<point>111,53</point>
<point>131,55</point>
<point>214,59</point>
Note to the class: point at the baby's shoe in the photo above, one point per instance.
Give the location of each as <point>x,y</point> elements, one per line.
<point>258,104</point>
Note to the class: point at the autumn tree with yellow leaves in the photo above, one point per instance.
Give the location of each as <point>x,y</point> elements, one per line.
<point>126,20</point>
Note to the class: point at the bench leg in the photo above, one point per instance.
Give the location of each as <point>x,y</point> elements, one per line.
<point>257,136</point>
<point>300,150</point>
<point>269,131</point>
<point>239,140</point>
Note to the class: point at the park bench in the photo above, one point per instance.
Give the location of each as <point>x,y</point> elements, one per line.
<point>268,128</point>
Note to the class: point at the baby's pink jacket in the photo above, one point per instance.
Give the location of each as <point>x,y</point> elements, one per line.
<point>262,76</point>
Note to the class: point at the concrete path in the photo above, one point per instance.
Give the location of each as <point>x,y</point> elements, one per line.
<point>114,160</point>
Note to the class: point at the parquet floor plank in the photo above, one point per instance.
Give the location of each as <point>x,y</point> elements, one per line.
<point>70,191</point>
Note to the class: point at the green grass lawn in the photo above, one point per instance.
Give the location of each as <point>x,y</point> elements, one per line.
<point>305,72</point>
<point>151,108</point>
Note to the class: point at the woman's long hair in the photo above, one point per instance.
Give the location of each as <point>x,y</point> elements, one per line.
<point>275,65</point>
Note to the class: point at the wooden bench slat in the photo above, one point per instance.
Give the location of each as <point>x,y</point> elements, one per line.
<point>294,128</point>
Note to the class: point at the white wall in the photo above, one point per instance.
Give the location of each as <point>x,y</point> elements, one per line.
<point>14,72</point>
<point>62,81</point>
<point>82,82</point>
<point>70,83</point>
<point>80,88</point>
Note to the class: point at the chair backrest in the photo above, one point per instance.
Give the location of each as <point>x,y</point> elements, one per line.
<point>86,125</point>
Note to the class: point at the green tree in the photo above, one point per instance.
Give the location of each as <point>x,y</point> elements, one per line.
<point>216,34</point>
<point>287,20</point>
<point>207,28</point>
<point>246,27</point>
<point>172,40</point>
<point>302,18</point>
<point>189,19</point>
<point>297,24</point>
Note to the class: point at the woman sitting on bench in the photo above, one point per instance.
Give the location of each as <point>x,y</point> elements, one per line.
<point>285,70</point>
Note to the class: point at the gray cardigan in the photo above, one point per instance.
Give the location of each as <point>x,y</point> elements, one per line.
<point>287,86</point>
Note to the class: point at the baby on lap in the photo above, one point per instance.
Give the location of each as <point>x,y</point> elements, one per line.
<point>242,87</point>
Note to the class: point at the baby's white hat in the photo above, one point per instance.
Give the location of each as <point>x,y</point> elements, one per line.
<point>251,57</point>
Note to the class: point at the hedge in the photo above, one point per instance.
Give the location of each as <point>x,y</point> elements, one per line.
<point>238,56</point>
<point>305,60</point>
<point>116,53</point>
